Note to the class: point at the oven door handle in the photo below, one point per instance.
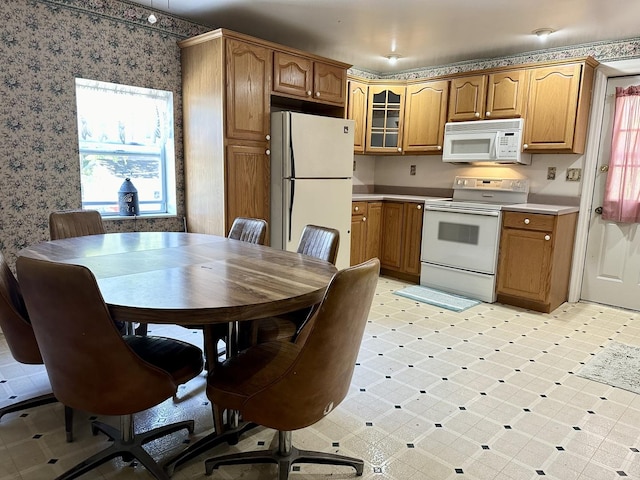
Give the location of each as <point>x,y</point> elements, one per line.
<point>487,213</point>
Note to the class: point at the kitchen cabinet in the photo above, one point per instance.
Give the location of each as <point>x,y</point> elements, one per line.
<point>357,111</point>
<point>488,96</point>
<point>534,262</point>
<point>385,108</point>
<point>226,115</point>
<point>424,116</point>
<point>401,240</point>
<point>366,219</point>
<point>309,79</point>
<point>558,107</point>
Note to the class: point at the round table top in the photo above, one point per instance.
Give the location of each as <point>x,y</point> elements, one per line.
<point>189,278</point>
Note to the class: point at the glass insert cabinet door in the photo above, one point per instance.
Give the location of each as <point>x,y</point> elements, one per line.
<point>385,119</point>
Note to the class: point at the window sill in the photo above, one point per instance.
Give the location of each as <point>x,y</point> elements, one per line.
<point>139,217</point>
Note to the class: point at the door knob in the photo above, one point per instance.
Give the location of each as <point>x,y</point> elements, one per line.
<point>598,210</point>
<point>604,168</point>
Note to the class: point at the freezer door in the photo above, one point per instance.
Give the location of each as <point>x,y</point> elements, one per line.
<point>322,147</point>
<point>326,203</point>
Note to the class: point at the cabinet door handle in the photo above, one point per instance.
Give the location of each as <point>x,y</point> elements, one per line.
<point>317,94</point>
<point>547,237</point>
<point>399,149</point>
<point>268,137</point>
<point>308,93</point>
<point>525,146</point>
<point>527,221</point>
<point>419,207</point>
<point>268,152</point>
<point>477,114</point>
<point>356,208</point>
<point>487,114</point>
<point>364,219</point>
<point>439,147</point>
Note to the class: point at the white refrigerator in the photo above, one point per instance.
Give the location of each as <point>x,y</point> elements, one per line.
<point>311,168</point>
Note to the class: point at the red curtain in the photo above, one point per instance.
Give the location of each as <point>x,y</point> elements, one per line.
<point>622,191</point>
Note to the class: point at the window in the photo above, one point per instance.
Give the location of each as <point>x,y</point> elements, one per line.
<point>125,132</point>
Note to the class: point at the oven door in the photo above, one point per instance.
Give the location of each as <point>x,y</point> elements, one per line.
<point>458,238</point>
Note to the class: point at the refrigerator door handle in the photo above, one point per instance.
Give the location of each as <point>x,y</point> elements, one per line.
<point>291,199</point>
<point>291,154</point>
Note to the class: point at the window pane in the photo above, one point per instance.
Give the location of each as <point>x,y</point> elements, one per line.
<point>124,132</point>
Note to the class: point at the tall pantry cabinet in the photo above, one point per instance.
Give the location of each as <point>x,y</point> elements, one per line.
<point>226,83</point>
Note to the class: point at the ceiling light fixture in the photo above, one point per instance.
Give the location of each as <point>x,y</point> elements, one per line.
<point>393,58</point>
<point>543,33</point>
<point>152,18</point>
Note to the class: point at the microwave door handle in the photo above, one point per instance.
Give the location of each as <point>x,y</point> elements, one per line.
<point>496,152</point>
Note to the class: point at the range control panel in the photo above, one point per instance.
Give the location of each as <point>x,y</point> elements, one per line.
<point>496,184</point>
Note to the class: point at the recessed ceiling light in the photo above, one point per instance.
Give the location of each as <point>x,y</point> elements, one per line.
<point>393,58</point>
<point>543,32</point>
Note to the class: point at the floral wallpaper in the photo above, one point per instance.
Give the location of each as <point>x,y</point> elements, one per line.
<point>44,46</point>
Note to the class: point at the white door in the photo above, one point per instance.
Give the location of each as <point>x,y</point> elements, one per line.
<point>612,262</point>
<point>326,203</point>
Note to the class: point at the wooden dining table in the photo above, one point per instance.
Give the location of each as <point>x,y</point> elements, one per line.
<point>188,278</point>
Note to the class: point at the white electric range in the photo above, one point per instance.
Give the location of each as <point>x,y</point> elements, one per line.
<point>461,235</point>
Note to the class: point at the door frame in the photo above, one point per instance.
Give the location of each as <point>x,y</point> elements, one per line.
<point>590,162</point>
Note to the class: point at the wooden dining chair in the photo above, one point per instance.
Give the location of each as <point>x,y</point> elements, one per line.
<point>291,385</point>
<point>75,223</point>
<point>315,241</point>
<point>18,334</point>
<point>111,375</point>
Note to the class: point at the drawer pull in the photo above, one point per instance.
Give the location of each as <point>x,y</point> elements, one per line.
<point>527,221</point>
<point>547,237</point>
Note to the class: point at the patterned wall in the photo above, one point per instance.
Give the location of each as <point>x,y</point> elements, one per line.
<point>44,46</point>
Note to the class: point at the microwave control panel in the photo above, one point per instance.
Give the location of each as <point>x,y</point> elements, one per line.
<point>508,144</point>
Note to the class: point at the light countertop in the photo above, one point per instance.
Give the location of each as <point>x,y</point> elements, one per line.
<point>540,208</point>
<point>378,197</point>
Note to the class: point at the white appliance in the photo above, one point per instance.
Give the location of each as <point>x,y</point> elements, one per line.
<point>311,168</point>
<point>461,236</point>
<point>495,141</point>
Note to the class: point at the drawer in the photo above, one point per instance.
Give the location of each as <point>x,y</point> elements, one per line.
<point>528,221</point>
<point>358,208</point>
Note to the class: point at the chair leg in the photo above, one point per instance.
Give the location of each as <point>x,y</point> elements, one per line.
<point>29,403</point>
<point>285,455</point>
<point>127,446</point>
<point>38,401</point>
<point>68,423</point>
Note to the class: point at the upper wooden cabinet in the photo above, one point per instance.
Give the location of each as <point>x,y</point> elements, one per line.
<point>467,99</point>
<point>425,114</point>
<point>309,79</point>
<point>553,98</point>
<point>248,80</point>
<point>385,110</point>
<point>357,111</point>
<point>494,95</point>
<point>558,107</point>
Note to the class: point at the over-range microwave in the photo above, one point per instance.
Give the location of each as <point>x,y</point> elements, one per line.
<point>485,141</point>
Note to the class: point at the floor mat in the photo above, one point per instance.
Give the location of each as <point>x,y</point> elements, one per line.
<point>457,303</point>
<point>617,365</point>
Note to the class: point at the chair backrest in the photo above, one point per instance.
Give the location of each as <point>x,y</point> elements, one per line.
<point>250,230</point>
<point>75,223</point>
<point>89,364</point>
<point>319,378</point>
<point>14,320</point>
<point>320,242</point>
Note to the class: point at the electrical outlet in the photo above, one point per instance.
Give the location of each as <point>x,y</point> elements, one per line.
<point>551,173</point>
<point>574,174</point>
<point>354,165</point>
<point>412,170</point>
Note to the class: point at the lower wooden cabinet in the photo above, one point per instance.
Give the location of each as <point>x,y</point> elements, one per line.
<point>534,263</point>
<point>401,239</point>
<point>365,231</point>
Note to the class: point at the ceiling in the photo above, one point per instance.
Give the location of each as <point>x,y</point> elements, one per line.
<point>425,33</point>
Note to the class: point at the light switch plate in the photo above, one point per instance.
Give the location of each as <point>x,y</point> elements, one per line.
<point>551,173</point>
